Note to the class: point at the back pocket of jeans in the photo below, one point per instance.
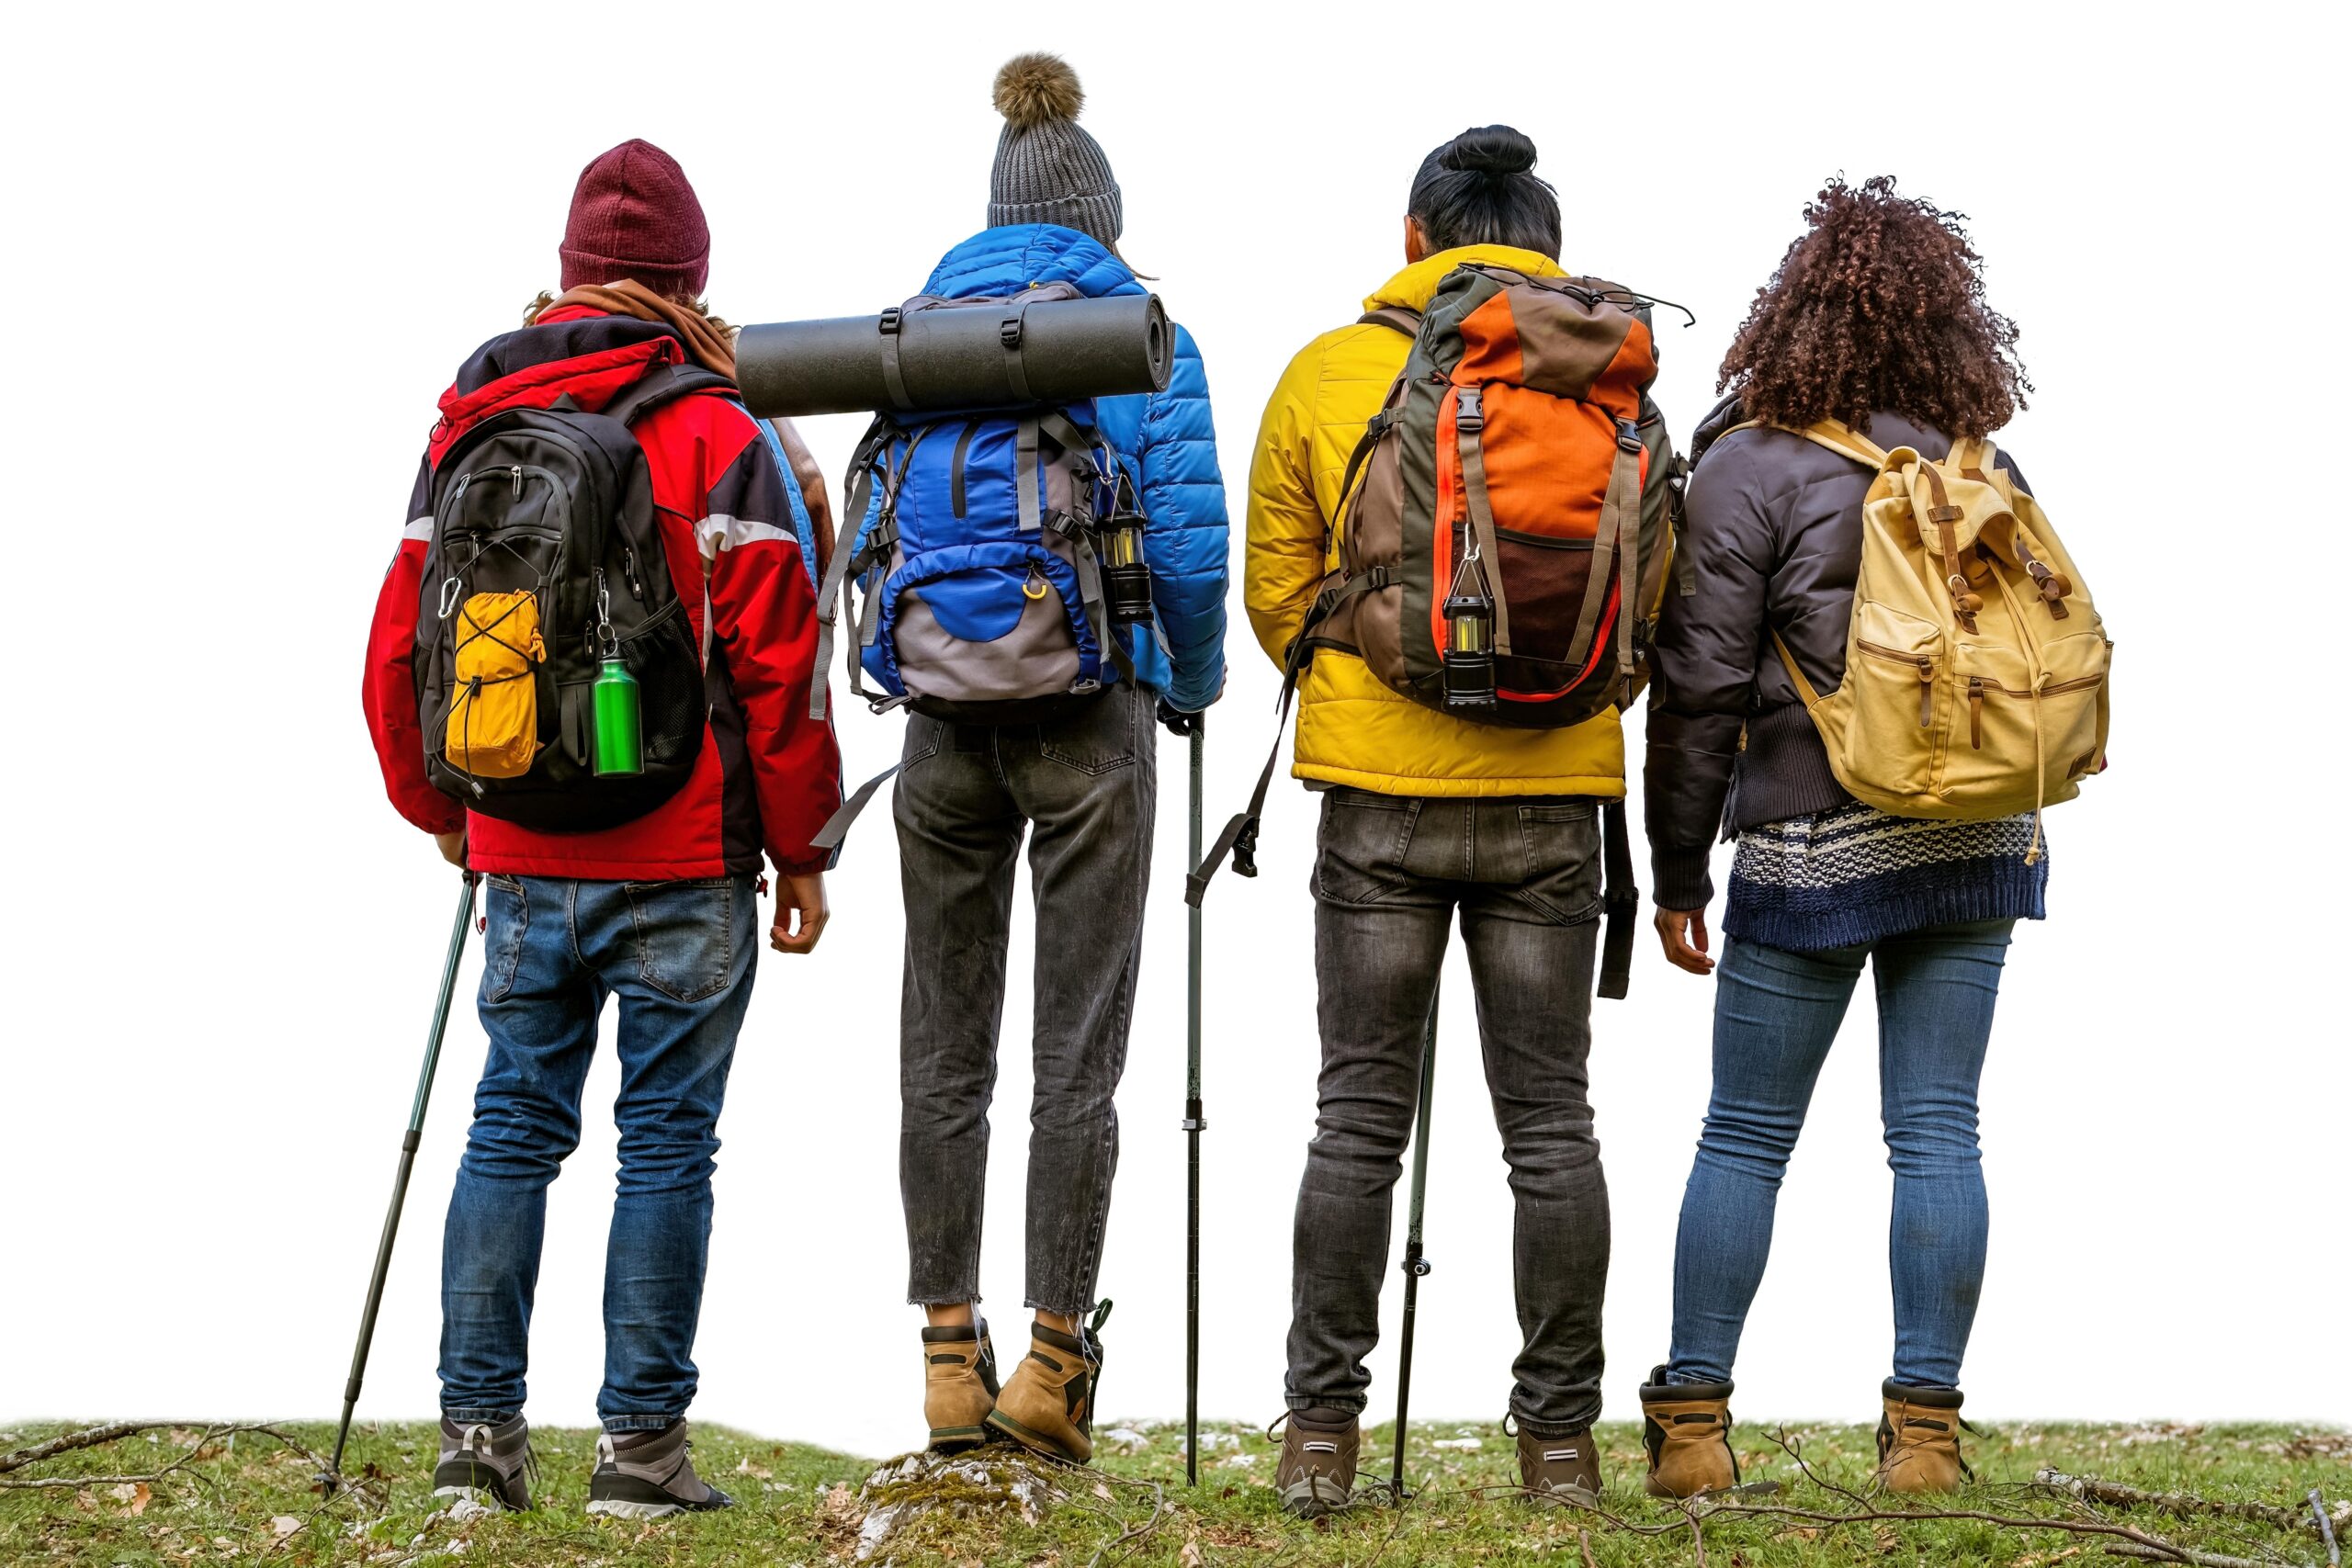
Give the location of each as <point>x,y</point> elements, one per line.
<point>1361,843</point>
<point>1096,737</point>
<point>686,935</point>
<point>1562,843</point>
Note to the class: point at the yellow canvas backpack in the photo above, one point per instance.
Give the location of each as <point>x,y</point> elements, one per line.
<point>1976,665</point>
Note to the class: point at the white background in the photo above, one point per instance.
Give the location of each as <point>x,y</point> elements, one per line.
<point>247,251</point>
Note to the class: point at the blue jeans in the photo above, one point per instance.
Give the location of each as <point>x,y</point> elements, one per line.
<point>1776,1013</point>
<point>680,956</point>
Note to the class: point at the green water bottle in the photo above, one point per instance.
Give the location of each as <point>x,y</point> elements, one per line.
<point>620,738</point>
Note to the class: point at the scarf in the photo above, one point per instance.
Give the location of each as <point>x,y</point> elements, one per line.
<point>707,345</point>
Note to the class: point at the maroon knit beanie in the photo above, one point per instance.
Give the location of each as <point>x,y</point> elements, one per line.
<point>633,215</point>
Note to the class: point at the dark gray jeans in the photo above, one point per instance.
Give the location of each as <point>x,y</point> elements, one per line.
<point>1389,874</point>
<point>1084,787</point>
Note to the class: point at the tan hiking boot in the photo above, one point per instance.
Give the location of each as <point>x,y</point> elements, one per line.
<point>1918,1439</point>
<point>1686,1427</point>
<point>959,1385</point>
<point>1049,1401</point>
<point>1316,1473</point>
<point>1559,1469</point>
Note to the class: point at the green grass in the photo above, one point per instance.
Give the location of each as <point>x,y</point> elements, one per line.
<point>251,1501</point>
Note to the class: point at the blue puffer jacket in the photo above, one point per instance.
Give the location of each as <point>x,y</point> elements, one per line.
<point>1164,439</point>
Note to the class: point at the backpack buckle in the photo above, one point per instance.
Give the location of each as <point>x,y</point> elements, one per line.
<point>1629,436</point>
<point>890,319</point>
<point>1468,413</point>
<point>1008,331</point>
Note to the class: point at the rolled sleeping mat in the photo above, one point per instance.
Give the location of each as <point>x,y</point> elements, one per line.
<point>930,356</point>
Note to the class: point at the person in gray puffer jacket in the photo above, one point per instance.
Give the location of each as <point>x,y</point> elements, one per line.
<point>1876,318</point>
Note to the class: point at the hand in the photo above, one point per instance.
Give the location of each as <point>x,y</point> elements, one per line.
<point>804,895</point>
<point>1180,723</point>
<point>453,847</point>
<point>1683,932</point>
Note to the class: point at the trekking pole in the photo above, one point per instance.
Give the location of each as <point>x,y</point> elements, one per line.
<point>332,1476</point>
<point>1416,1264</point>
<point>1194,1124</point>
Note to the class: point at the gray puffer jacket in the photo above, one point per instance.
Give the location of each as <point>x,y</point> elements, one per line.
<point>1772,541</point>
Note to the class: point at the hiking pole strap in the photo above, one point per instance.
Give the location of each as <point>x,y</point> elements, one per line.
<point>1239,838</point>
<point>1620,899</point>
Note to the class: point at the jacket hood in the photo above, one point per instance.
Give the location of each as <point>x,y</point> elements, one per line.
<point>1416,285</point>
<point>1015,257</point>
<point>586,354</point>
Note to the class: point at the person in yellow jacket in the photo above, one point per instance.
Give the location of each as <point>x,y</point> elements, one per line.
<point>1423,813</point>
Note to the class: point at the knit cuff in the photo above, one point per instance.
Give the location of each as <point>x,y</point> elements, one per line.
<point>1681,879</point>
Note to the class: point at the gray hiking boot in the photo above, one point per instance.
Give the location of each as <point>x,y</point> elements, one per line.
<point>493,1465</point>
<point>645,1475</point>
<point>1316,1473</point>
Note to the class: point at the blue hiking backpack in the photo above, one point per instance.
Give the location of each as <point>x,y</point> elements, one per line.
<point>996,554</point>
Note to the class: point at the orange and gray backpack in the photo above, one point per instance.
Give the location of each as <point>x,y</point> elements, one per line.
<point>1506,532</point>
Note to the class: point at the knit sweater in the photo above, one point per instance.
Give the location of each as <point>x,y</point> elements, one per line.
<point>1851,874</point>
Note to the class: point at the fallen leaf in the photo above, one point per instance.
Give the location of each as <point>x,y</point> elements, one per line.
<point>1105,1493</point>
<point>759,1470</point>
<point>84,1501</point>
<point>1189,1555</point>
<point>284,1525</point>
<point>134,1498</point>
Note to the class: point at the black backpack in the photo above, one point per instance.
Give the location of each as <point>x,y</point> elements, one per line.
<point>550,512</point>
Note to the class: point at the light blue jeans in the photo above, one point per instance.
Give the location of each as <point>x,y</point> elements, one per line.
<point>679,956</point>
<point>1776,1013</point>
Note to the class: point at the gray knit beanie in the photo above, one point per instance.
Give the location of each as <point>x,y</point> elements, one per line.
<point>1048,170</point>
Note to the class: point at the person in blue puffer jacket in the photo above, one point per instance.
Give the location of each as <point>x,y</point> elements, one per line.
<point>1084,786</point>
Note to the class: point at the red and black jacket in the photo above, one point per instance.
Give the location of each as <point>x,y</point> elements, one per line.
<point>768,775</point>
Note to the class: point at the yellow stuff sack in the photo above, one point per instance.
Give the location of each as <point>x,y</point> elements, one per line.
<point>494,711</point>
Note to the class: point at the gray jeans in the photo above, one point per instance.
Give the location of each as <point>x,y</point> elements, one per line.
<point>1389,874</point>
<point>1083,786</point>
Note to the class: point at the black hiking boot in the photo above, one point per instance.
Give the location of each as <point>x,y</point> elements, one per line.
<point>1316,1473</point>
<point>647,1475</point>
<point>493,1465</point>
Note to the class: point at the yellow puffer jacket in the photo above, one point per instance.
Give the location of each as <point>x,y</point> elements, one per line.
<point>1352,728</point>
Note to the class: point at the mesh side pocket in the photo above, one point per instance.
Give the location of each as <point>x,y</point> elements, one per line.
<point>670,691</point>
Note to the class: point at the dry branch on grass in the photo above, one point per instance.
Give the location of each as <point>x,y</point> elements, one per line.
<point>2187,1505</point>
<point>97,1437</point>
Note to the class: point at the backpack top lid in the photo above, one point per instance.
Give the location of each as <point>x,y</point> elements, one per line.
<point>590,359</point>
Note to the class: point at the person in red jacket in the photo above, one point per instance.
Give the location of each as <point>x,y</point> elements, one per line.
<point>658,911</point>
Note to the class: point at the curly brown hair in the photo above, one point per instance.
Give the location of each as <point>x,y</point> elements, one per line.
<point>1878,305</point>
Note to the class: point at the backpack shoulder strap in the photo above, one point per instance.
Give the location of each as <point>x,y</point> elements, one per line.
<point>1396,317</point>
<point>1838,437</point>
<point>664,384</point>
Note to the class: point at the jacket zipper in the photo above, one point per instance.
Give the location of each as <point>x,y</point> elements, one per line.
<point>1922,662</point>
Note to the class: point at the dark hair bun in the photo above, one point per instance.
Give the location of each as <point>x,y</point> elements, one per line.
<point>1494,150</point>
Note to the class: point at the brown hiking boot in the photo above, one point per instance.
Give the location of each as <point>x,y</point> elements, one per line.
<point>1686,1427</point>
<point>1563,1469</point>
<point>1049,1401</point>
<point>1918,1439</point>
<point>959,1385</point>
<point>1316,1473</point>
